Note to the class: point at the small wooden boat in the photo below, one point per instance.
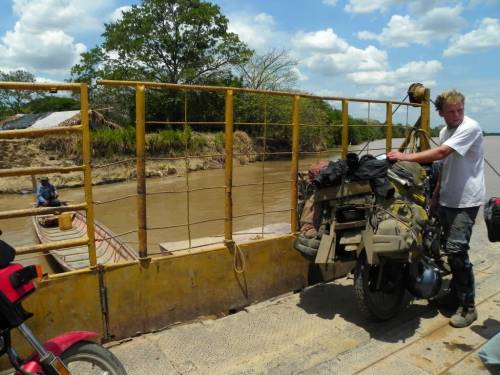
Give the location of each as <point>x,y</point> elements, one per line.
<point>109,249</point>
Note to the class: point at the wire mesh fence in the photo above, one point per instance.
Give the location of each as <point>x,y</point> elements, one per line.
<point>251,132</point>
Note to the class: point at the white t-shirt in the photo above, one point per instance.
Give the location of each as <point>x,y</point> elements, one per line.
<point>462,173</point>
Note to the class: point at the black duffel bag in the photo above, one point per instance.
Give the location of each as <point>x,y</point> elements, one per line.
<point>492,219</point>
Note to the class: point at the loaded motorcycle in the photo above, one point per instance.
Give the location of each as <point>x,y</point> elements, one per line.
<point>69,353</point>
<point>369,216</point>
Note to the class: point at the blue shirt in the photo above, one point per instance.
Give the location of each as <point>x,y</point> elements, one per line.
<point>45,193</point>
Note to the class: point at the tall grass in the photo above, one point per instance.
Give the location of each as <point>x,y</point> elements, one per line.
<point>116,143</point>
<point>165,143</point>
<point>169,142</point>
<point>113,142</point>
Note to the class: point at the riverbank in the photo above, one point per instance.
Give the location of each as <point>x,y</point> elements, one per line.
<point>23,153</point>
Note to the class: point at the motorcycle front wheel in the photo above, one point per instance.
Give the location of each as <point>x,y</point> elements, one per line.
<point>380,291</point>
<point>89,358</point>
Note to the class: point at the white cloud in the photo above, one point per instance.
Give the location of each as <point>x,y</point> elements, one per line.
<point>424,6</point>
<point>326,53</point>
<point>368,6</point>
<point>323,40</point>
<point>424,70</point>
<point>300,76</point>
<point>381,91</point>
<point>387,83</point>
<point>443,21</point>
<point>414,6</point>
<point>264,19</point>
<point>118,13</point>
<point>47,50</point>
<point>336,92</point>
<point>42,39</point>
<point>67,15</point>
<point>478,103</point>
<point>401,31</point>
<point>487,35</point>
<point>330,2</point>
<point>258,31</point>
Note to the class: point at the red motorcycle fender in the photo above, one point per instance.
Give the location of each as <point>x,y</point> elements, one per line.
<point>57,345</point>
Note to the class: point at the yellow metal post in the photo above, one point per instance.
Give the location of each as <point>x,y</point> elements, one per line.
<point>388,122</point>
<point>345,128</point>
<point>229,128</point>
<point>140,131</point>
<point>295,161</point>
<point>425,121</point>
<point>87,176</point>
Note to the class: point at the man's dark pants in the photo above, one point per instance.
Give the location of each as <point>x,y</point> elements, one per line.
<point>457,227</point>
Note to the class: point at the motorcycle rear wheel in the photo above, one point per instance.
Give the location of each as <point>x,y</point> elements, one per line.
<point>387,301</point>
<point>88,358</point>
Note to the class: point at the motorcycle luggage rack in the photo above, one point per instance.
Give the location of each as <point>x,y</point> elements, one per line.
<point>350,225</point>
<point>344,190</point>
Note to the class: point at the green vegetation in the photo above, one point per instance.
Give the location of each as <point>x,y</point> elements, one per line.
<point>12,101</point>
<point>50,104</point>
<point>25,101</point>
<point>107,143</point>
<point>193,47</point>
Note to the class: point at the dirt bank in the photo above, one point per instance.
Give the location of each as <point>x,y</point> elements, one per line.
<point>22,153</point>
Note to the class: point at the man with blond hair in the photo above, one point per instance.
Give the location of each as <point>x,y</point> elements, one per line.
<point>460,191</point>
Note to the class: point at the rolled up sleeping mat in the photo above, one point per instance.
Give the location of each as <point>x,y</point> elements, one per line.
<point>307,246</point>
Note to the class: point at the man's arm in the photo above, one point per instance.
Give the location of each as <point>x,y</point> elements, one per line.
<point>39,195</point>
<point>54,191</point>
<point>427,156</point>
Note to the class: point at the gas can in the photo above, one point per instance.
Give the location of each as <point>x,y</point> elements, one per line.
<point>65,221</point>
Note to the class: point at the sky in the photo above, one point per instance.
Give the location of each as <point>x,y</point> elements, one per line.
<point>351,48</point>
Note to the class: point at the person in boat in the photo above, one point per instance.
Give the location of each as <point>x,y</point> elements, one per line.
<point>47,195</point>
<point>459,193</point>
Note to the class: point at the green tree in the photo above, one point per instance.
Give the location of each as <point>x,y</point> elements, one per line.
<point>12,101</point>
<point>271,71</point>
<point>316,117</point>
<point>51,103</point>
<point>175,41</point>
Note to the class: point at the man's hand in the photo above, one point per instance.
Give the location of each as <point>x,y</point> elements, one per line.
<point>395,156</point>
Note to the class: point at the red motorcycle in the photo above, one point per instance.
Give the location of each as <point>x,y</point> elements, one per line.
<point>70,353</point>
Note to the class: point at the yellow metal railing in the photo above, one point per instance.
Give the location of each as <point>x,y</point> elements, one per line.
<point>229,132</point>
<point>84,129</point>
<point>229,125</point>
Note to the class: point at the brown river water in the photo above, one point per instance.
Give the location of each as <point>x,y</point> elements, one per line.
<point>172,209</point>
